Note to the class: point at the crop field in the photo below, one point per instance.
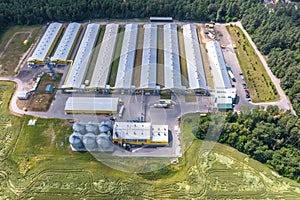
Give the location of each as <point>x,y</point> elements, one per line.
<point>12,48</point>
<point>258,81</point>
<point>36,163</point>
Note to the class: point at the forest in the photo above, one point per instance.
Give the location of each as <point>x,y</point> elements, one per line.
<point>270,136</point>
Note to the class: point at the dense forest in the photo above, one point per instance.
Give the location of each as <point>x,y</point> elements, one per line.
<point>275,29</point>
<point>270,136</point>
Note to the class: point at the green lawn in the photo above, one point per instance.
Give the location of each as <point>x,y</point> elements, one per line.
<point>42,167</point>
<point>258,81</point>
<point>15,49</point>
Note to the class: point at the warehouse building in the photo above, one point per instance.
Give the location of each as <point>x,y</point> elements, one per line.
<point>79,67</point>
<point>127,58</point>
<point>223,87</point>
<point>45,45</point>
<point>172,72</point>
<point>105,57</point>
<point>141,133</point>
<point>66,44</point>
<point>196,75</point>
<point>149,58</point>
<point>91,105</point>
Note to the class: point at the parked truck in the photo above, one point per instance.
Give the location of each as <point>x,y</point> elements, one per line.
<point>231,76</point>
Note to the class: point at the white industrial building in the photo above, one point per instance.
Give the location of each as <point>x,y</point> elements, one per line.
<point>195,70</point>
<point>105,57</point>
<point>141,133</point>
<point>172,71</point>
<point>79,67</point>
<point>91,105</point>
<point>45,45</point>
<point>127,58</point>
<point>222,84</point>
<point>149,58</point>
<point>66,44</point>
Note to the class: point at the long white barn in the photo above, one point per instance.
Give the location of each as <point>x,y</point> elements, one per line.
<point>149,58</point>
<point>78,70</point>
<point>220,75</point>
<point>127,57</point>
<point>66,44</point>
<point>196,75</point>
<point>46,44</point>
<point>172,71</point>
<point>105,57</point>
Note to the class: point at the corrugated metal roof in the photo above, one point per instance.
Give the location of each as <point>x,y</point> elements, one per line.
<point>80,65</point>
<point>105,56</point>
<point>92,104</point>
<point>46,42</point>
<point>66,43</point>
<point>129,130</point>
<point>127,57</point>
<point>218,66</point>
<point>159,133</point>
<point>172,71</point>
<point>149,58</point>
<point>193,56</point>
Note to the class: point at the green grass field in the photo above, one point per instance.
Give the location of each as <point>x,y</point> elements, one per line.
<point>36,163</point>
<point>258,81</point>
<point>12,47</point>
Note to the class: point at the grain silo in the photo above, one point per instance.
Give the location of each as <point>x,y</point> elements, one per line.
<point>104,143</point>
<point>89,141</point>
<point>79,128</point>
<point>103,128</point>
<point>76,142</point>
<point>92,128</point>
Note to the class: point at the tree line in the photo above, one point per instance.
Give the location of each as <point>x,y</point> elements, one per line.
<point>270,136</point>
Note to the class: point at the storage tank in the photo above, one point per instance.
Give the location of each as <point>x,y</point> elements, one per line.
<point>76,141</point>
<point>80,128</point>
<point>104,143</point>
<point>103,128</point>
<point>92,128</point>
<point>89,141</point>
<point>108,123</point>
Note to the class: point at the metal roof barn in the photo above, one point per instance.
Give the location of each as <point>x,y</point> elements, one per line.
<point>92,105</point>
<point>66,44</point>
<point>172,72</point>
<point>221,78</point>
<point>196,75</point>
<point>149,57</point>
<point>105,56</point>
<point>127,57</point>
<point>46,44</point>
<point>78,69</point>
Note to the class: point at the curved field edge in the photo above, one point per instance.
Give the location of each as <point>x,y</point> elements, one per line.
<point>223,173</point>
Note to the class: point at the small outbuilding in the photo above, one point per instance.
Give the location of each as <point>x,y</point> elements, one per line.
<point>23,95</point>
<point>49,88</point>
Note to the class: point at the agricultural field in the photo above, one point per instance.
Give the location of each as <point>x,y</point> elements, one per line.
<point>258,81</point>
<point>12,49</point>
<point>36,163</point>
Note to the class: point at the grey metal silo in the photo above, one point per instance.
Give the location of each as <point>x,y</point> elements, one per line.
<point>80,128</point>
<point>104,143</point>
<point>103,128</point>
<point>76,141</point>
<point>92,128</point>
<point>89,141</point>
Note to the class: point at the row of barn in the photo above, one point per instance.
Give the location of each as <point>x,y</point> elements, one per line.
<point>77,74</point>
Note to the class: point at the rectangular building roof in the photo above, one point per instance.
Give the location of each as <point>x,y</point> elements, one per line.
<point>65,46</point>
<point>91,105</point>
<point>193,56</point>
<point>172,71</point>
<point>149,58</point>
<point>128,130</point>
<point>77,71</point>
<point>218,66</point>
<point>46,43</point>
<point>127,57</point>
<point>105,56</point>
<point>161,19</point>
<point>159,133</point>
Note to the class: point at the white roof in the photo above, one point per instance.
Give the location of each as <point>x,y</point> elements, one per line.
<point>218,66</point>
<point>80,65</point>
<point>159,133</point>
<point>105,56</point>
<point>193,56</point>
<point>127,57</point>
<point>65,46</point>
<point>172,72</point>
<point>149,58</point>
<point>129,130</point>
<point>50,36</point>
<point>92,104</point>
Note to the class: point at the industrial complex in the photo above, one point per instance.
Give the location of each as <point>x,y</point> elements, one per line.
<point>87,53</point>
